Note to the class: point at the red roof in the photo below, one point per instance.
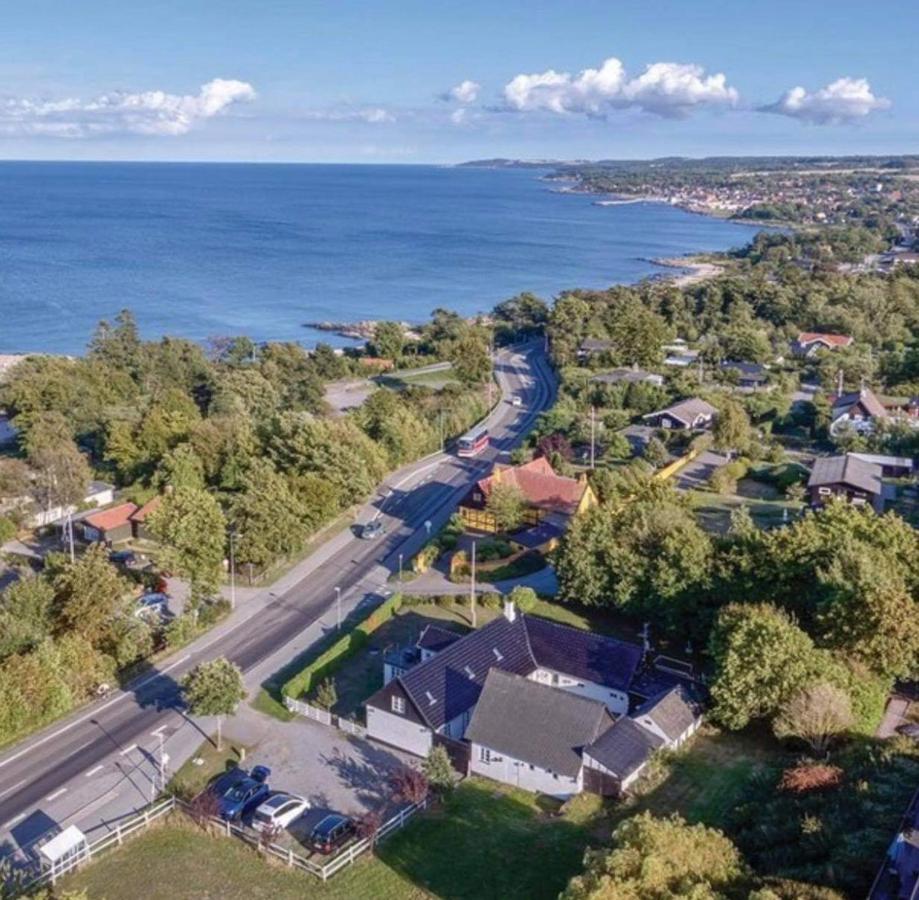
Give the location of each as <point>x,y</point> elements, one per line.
<point>832,340</point>
<point>113,517</point>
<point>149,507</point>
<point>539,485</point>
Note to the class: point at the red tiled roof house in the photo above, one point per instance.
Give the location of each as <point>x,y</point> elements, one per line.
<point>108,525</point>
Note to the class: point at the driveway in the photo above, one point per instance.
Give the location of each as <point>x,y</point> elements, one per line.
<point>695,474</point>
<point>334,771</point>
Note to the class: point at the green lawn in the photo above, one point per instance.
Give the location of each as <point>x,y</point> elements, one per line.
<point>706,780</point>
<point>714,510</point>
<point>485,842</point>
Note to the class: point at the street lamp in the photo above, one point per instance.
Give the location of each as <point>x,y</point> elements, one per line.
<point>338,608</point>
<point>233,536</point>
<point>400,568</point>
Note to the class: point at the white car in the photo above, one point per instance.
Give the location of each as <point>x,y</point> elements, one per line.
<point>516,401</point>
<point>278,811</point>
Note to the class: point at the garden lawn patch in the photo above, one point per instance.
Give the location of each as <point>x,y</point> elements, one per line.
<point>191,779</point>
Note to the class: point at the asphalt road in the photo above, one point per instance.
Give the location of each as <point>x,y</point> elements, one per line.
<point>43,766</point>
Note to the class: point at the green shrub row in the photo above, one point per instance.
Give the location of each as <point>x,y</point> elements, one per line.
<point>332,657</point>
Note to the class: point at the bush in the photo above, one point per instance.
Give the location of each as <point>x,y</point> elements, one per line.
<point>524,598</point>
<point>448,541</point>
<point>722,482</point>
<point>491,600</point>
<point>426,557</point>
<point>445,601</point>
<point>7,529</point>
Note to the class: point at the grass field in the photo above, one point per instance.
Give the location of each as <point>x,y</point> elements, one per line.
<point>485,842</point>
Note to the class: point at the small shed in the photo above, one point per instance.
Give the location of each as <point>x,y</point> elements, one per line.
<point>63,852</point>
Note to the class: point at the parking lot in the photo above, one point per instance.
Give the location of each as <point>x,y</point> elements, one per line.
<point>333,771</point>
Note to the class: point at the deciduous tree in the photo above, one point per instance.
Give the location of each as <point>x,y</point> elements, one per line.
<point>214,688</point>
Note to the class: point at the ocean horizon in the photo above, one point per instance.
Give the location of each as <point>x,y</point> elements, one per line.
<point>199,250</point>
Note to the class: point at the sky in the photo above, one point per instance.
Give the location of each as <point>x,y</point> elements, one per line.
<point>427,81</point>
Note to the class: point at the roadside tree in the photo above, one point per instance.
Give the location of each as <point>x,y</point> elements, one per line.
<point>214,688</point>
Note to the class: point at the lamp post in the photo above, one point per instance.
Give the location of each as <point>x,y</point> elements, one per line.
<point>472,589</point>
<point>400,568</point>
<point>233,536</point>
<point>338,608</point>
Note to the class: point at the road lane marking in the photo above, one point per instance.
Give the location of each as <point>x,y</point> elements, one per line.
<point>93,770</point>
<point>14,820</point>
<point>158,731</point>
<point>10,790</point>
<point>127,750</point>
<point>97,710</point>
<point>56,794</point>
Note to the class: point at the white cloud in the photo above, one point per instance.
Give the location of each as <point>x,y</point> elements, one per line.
<point>147,113</point>
<point>465,92</point>
<point>845,100</point>
<point>666,89</point>
<point>373,115</point>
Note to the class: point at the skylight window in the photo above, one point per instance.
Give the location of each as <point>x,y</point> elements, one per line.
<point>431,698</point>
<point>498,655</point>
<point>469,671</point>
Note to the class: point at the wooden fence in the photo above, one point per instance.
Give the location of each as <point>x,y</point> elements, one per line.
<point>324,717</point>
<point>231,829</point>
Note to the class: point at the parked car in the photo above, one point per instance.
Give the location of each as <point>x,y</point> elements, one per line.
<point>278,811</point>
<point>372,530</point>
<point>122,557</point>
<point>333,831</point>
<point>223,782</point>
<point>242,798</point>
<point>155,605</point>
<point>516,401</point>
<point>260,773</point>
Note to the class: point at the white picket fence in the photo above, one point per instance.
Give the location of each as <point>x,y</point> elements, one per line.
<point>291,859</point>
<point>324,717</point>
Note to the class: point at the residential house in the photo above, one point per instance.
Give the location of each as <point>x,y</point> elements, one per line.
<point>551,501</point>
<point>591,346</point>
<point>898,878</point>
<point>809,343</point>
<point>747,374</point>
<point>628,376</point>
<point>532,736</point>
<point>108,526</point>
<point>434,701</point>
<point>97,494</point>
<point>859,410</point>
<point>139,518</point>
<point>891,466</point>
<point>398,660</point>
<point>847,477</point>
<point>685,415</point>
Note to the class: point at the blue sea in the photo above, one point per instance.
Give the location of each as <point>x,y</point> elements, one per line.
<point>202,250</point>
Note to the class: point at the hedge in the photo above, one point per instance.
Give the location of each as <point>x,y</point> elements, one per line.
<point>344,648</point>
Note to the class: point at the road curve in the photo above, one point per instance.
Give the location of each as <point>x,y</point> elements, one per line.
<point>43,766</point>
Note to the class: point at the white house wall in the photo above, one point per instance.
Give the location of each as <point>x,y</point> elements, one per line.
<point>397,731</point>
<point>520,774</point>
<point>616,701</point>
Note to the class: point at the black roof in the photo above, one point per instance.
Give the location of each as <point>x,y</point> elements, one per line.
<point>624,748</point>
<point>535,723</point>
<point>435,638</point>
<point>745,368</point>
<point>447,685</point>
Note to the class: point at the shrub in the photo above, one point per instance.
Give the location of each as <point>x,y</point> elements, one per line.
<point>439,770</point>
<point>810,777</point>
<point>426,557</point>
<point>410,785</point>
<point>326,694</point>
<point>7,529</point>
<point>491,600</point>
<point>448,541</point>
<point>722,482</point>
<point>524,598</point>
<point>445,601</point>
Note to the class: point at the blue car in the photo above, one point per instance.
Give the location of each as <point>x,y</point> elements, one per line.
<point>242,798</point>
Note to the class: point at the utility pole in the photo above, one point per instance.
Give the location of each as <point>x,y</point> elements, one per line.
<point>232,569</point>
<point>593,437</point>
<point>441,430</point>
<point>472,610</point>
<point>68,534</point>
<point>338,608</point>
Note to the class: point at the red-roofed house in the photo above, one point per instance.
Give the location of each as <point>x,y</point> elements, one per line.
<point>108,525</point>
<point>551,500</point>
<point>139,518</point>
<point>809,342</point>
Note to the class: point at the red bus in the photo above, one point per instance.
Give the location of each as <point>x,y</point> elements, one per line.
<point>473,442</point>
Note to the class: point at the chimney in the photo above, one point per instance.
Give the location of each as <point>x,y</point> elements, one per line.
<point>510,611</point>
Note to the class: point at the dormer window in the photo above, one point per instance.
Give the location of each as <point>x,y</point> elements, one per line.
<point>398,705</point>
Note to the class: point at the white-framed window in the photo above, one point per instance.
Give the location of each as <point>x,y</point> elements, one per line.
<point>397,704</point>
<point>824,491</point>
<point>484,755</point>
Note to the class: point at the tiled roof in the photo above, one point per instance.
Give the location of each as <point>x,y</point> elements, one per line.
<point>447,685</point>
<point>435,638</point>
<point>536,723</point>
<point>540,534</point>
<point>571,651</point>
<point>686,410</point>
<point>149,507</point>
<point>866,397</point>
<point>113,517</point>
<point>746,369</point>
<point>832,340</point>
<point>673,712</point>
<point>539,484</point>
<point>848,470</point>
<point>624,748</point>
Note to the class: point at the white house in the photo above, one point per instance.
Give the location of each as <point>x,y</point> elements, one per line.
<point>97,494</point>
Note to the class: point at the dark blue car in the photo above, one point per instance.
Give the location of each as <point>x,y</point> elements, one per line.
<point>242,798</point>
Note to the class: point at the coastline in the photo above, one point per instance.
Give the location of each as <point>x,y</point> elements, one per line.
<point>692,271</point>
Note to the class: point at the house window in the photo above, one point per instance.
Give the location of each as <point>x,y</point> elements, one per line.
<point>484,755</point>
<point>824,491</point>
<point>398,705</point>
<point>555,678</point>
